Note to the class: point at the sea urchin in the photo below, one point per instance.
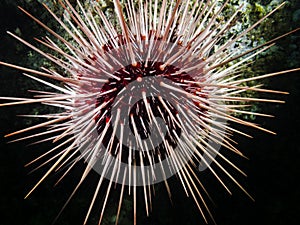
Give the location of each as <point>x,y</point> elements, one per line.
<point>146,96</point>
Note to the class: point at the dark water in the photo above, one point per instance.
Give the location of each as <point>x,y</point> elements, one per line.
<point>273,169</point>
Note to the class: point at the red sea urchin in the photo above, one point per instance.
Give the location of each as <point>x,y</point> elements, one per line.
<point>147,97</point>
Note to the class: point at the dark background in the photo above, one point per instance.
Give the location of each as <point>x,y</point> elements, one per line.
<point>273,169</point>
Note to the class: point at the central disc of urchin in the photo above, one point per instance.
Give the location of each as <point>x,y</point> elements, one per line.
<point>145,113</point>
